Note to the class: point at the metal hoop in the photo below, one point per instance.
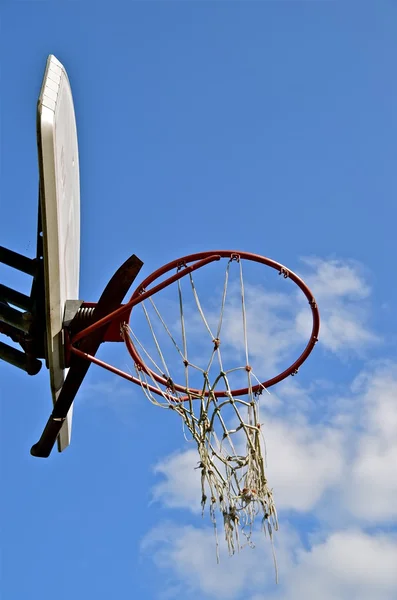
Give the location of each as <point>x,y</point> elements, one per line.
<point>201,259</point>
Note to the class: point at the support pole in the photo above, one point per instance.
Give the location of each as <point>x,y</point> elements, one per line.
<point>15,298</point>
<point>15,318</point>
<point>110,299</point>
<point>18,261</point>
<point>19,359</point>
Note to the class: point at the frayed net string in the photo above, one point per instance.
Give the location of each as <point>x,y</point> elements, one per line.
<point>233,485</point>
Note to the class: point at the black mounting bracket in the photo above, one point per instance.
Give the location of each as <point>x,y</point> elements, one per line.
<point>22,318</point>
<point>75,320</point>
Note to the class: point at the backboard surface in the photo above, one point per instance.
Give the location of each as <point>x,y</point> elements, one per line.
<point>60,211</point>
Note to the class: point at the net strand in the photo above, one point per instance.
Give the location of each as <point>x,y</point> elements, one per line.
<point>227,430</point>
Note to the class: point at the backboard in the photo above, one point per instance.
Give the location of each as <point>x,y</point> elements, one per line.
<point>60,213</point>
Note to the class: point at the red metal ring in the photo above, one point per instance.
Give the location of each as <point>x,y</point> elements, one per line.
<point>203,258</point>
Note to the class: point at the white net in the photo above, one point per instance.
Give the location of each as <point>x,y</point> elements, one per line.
<point>226,429</point>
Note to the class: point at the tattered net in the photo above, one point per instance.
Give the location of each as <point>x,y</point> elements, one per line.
<point>223,421</point>
<point>233,480</point>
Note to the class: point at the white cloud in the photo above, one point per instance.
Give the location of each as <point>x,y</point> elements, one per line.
<point>332,459</point>
<point>278,322</point>
<point>349,564</point>
<point>341,293</point>
<point>341,329</point>
<point>180,486</point>
<point>323,470</point>
<point>187,554</point>
<point>304,461</point>
<point>354,456</point>
<point>345,565</point>
<point>332,279</point>
<point>349,462</point>
<point>378,387</point>
<point>371,489</point>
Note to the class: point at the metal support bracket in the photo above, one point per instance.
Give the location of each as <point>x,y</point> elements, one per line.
<point>109,301</point>
<point>26,326</point>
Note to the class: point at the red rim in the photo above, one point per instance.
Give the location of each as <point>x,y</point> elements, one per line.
<point>184,267</point>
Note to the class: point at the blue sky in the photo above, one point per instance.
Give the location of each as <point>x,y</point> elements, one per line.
<point>265,126</point>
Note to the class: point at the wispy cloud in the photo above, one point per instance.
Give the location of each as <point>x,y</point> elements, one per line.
<point>354,452</point>
<point>333,278</point>
<point>344,565</point>
<point>188,556</point>
<point>347,564</point>
<point>332,460</point>
<point>278,321</point>
<point>371,490</point>
<point>180,484</point>
<point>342,294</point>
<point>337,472</point>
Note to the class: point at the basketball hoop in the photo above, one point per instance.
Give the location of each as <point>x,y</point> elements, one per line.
<point>200,260</point>
<point>223,419</point>
<point>212,380</point>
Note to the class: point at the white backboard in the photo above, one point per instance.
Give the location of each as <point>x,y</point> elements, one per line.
<point>60,211</point>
